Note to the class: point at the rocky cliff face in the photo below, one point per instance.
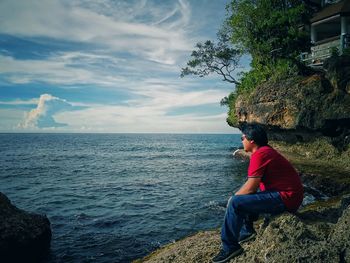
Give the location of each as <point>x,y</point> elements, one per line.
<point>24,237</point>
<point>303,108</point>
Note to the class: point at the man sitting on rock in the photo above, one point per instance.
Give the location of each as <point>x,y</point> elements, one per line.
<point>280,190</point>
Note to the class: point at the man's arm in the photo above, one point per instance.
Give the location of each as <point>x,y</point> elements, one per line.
<point>249,187</point>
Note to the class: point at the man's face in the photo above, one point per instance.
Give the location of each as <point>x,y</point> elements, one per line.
<point>247,144</point>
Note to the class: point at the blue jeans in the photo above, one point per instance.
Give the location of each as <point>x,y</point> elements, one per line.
<point>242,210</point>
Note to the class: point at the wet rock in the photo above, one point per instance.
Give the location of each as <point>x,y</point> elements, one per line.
<point>24,237</point>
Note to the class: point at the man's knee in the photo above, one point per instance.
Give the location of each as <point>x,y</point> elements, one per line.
<point>237,203</point>
<point>233,202</point>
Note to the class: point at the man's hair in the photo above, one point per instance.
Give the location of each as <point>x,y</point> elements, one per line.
<point>255,132</point>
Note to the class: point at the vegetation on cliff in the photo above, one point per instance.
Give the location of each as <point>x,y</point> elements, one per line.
<point>267,30</point>
<point>297,104</point>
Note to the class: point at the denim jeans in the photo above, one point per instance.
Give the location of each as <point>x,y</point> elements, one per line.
<point>242,210</point>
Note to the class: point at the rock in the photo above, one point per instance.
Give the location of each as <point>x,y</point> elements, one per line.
<point>286,238</point>
<point>338,71</point>
<point>340,236</point>
<point>299,109</point>
<point>197,248</point>
<point>24,237</point>
<point>241,154</point>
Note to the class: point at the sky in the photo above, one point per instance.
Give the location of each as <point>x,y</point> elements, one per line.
<point>108,66</point>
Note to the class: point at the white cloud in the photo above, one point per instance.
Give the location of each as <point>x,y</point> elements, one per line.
<point>20,102</point>
<point>158,42</point>
<point>144,119</point>
<point>150,114</point>
<point>42,115</point>
<point>61,68</point>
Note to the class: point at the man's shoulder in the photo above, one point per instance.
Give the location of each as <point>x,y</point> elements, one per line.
<point>266,150</point>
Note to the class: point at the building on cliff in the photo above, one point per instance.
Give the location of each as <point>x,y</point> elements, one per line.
<point>329,29</point>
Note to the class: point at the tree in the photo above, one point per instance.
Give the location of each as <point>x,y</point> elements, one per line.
<point>221,58</point>
<point>269,29</point>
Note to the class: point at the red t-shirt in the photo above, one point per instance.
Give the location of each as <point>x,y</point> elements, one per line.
<point>277,174</point>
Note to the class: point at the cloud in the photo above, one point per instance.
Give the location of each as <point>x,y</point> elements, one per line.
<point>153,32</point>
<point>42,115</point>
<point>151,114</point>
<point>20,102</point>
<point>62,68</point>
<point>143,119</point>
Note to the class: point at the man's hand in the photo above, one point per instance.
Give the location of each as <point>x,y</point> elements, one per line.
<point>250,187</point>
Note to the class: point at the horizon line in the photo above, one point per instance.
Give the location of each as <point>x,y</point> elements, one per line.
<point>70,132</point>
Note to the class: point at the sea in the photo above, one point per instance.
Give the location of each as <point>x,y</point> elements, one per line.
<point>118,197</point>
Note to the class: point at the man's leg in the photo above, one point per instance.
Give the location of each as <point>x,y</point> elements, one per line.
<point>239,207</point>
<point>247,231</point>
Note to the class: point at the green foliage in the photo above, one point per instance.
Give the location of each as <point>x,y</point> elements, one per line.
<point>269,28</point>
<point>334,52</point>
<point>346,51</point>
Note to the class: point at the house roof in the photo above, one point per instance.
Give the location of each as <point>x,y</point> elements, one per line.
<point>342,7</point>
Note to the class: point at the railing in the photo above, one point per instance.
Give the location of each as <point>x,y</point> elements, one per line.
<point>321,51</point>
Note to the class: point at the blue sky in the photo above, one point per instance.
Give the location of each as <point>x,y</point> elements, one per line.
<point>108,66</point>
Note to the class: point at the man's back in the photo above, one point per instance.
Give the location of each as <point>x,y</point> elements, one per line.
<point>277,174</point>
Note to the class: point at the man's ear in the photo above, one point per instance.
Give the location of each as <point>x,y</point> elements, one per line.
<point>252,141</point>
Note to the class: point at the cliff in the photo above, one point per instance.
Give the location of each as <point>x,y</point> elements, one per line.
<point>303,108</point>
<point>24,237</point>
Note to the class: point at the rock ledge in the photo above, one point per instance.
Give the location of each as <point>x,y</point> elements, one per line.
<point>309,236</point>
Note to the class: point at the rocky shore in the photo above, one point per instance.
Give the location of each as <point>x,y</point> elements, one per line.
<point>24,237</point>
<point>318,232</point>
<point>308,121</point>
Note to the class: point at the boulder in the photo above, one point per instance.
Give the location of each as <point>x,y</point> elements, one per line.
<point>24,237</point>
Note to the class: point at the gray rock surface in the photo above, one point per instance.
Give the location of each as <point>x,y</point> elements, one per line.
<point>24,237</point>
<point>286,238</point>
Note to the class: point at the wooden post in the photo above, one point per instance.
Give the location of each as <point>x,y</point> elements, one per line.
<point>345,24</point>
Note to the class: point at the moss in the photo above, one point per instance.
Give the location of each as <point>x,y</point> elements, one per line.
<point>319,156</point>
<point>321,165</point>
<point>330,203</point>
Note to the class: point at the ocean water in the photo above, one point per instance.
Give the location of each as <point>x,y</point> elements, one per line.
<point>117,197</point>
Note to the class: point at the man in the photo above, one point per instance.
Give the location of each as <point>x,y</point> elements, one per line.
<point>280,190</point>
